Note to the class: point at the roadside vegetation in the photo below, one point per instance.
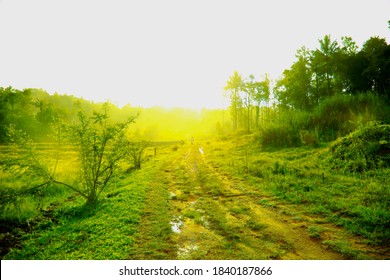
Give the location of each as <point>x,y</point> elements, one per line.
<point>295,168</point>
<point>318,181</point>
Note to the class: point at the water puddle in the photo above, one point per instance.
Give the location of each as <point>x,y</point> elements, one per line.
<point>176,224</point>
<point>186,251</point>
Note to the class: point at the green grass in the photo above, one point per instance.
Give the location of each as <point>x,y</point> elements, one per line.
<point>304,177</point>
<point>315,231</point>
<point>345,249</point>
<point>132,218</point>
<point>61,226</point>
<point>102,231</point>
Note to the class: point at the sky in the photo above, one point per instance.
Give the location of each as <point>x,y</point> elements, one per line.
<point>172,53</point>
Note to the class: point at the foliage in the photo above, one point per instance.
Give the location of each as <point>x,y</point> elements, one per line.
<point>255,92</point>
<point>278,135</point>
<point>284,129</point>
<point>364,149</point>
<point>135,152</point>
<point>98,143</point>
<point>341,114</point>
<point>25,160</point>
<point>100,147</point>
<point>15,108</point>
<point>309,138</point>
<point>295,89</point>
<point>336,116</point>
<point>307,177</point>
<point>332,70</point>
<point>234,85</point>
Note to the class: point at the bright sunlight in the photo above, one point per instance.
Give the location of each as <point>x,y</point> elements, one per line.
<point>167,53</point>
<point>195,130</point>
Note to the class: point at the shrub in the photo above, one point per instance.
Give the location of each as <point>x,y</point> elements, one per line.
<point>99,146</point>
<point>341,114</point>
<point>309,138</point>
<point>135,152</point>
<point>366,148</point>
<point>278,136</point>
<point>283,129</point>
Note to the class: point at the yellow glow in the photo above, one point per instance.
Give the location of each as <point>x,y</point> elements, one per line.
<point>178,53</point>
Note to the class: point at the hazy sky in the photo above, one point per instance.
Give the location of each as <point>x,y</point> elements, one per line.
<point>167,52</point>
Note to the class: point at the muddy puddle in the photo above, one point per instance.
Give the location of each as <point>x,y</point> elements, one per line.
<point>176,224</point>
<point>216,217</point>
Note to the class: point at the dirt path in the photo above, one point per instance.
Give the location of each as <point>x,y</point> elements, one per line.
<point>217,217</point>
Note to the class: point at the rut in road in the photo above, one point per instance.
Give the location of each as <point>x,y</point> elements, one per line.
<point>216,217</point>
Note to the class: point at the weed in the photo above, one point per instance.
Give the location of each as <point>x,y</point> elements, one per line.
<point>254,225</point>
<point>315,231</point>
<point>345,249</point>
<point>240,210</point>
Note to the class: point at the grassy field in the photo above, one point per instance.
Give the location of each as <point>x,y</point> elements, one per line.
<point>304,178</point>
<point>217,199</point>
<point>55,223</point>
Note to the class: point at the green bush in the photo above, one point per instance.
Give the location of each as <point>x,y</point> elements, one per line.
<point>283,131</point>
<point>278,136</point>
<point>366,148</point>
<point>309,138</point>
<point>341,114</point>
<point>334,117</point>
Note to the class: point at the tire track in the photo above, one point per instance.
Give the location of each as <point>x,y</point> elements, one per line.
<point>216,217</point>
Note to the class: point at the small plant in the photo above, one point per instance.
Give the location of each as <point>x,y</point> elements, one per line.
<point>345,249</point>
<point>315,231</point>
<point>254,225</point>
<point>135,152</point>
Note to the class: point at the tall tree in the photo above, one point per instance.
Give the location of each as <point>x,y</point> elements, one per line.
<point>323,65</point>
<point>234,86</point>
<point>261,93</point>
<point>294,88</point>
<point>377,52</point>
<point>15,109</point>
<point>350,66</point>
<point>249,88</point>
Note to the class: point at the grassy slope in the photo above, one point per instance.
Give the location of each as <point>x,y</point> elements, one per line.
<point>302,177</point>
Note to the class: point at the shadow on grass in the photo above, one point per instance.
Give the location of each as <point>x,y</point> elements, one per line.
<point>81,212</point>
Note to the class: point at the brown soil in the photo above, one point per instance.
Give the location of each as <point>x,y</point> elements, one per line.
<point>215,216</point>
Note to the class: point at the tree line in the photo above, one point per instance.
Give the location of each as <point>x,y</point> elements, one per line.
<point>35,112</point>
<point>334,68</point>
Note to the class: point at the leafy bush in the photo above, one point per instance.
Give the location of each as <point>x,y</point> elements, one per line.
<point>341,114</point>
<point>309,138</point>
<point>366,148</point>
<point>335,116</point>
<point>278,136</point>
<point>283,128</point>
<point>135,151</point>
<point>99,144</point>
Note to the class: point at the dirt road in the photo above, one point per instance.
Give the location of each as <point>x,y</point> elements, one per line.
<point>214,216</point>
